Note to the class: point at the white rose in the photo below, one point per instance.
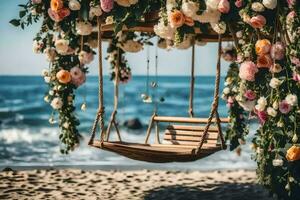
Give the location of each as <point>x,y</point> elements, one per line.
<point>51,92</point>
<point>247,105</point>
<point>257,7</point>
<point>33,12</point>
<point>277,162</point>
<point>185,44</point>
<point>47,79</point>
<point>45,72</point>
<point>37,46</point>
<point>212,4</point>
<point>170,4</point>
<point>74,5</point>
<point>275,83</point>
<point>190,8</point>
<point>276,68</point>
<point>85,57</point>
<point>56,103</point>
<point>271,111</point>
<point>234,89</point>
<point>208,16</point>
<point>292,99</point>
<point>50,54</point>
<point>131,46</point>
<point>84,28</point>
<point>270,4</point>
<point>126,3</point>
<point>109,20</point>
<point>62,46</point>
<point>46,99</point>
<point>219,28</point>
<point>226,90</point>
<point>228,81</point>
<point>239,34</point>
<point>275,105</point>
<point>280,124</point>
<point>66,125</point>
<point>95,12</point>
<point>261,104</point>
<point>165,32</point>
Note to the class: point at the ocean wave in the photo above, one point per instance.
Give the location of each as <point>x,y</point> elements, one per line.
<point>10,136</point>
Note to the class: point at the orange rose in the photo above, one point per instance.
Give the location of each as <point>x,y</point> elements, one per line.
<point>63,76</point>
<point>189,21</point>
<point>293,153</point>
<point>56,5</point>
<point>263,47</point>
<point>176,19</point>
<point>264,61</point>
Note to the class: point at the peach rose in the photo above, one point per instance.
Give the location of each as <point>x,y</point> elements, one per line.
<point>258,21</point>
<point>293,153</point>
<point>189,21</point>
<point>56,5</point>
<point>264,61</point>
<point>262,47</point>
<point>176,19</point>
<point>63,76</point>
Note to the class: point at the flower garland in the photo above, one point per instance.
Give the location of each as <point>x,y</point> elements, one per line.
<point>268,89</point>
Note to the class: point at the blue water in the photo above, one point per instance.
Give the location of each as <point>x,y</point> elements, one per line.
<point>27,139</point>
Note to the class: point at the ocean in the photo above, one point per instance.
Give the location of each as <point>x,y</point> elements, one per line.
<point>27,140</point>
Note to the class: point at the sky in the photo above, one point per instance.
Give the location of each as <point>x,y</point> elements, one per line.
<point>17,57</point>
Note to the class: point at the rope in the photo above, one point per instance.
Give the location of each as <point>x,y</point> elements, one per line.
<point>100,113</point>
<point>156,81</point>
<point>191,101</point>
<point>215,103</point>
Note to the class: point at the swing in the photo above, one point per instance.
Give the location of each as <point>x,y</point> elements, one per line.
<point>185,138</point>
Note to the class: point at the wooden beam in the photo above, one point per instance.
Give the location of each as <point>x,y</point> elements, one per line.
<point>187,119</point>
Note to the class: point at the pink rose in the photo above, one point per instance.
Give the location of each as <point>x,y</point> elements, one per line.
<point>291,2</point>
<point>238,3</point>
<point>284,107</point>
<point>224,6</point>
<point>291,15</point>
<point>248,70</point>
<point>262,116</point>
<point>250,95</point>
<point>295,61</point>
<point>78,76</point>
<point>278,51</point>
<point>230,101</point>
<point>107,5</point>
<point>296,77</point>
<point>258,21</point>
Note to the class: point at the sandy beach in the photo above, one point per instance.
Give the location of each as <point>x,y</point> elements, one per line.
<point>140,184</point>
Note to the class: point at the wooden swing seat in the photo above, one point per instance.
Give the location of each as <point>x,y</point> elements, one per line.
<point>180,145</point>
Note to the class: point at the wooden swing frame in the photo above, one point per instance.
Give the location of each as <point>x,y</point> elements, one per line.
<point>162,153</point>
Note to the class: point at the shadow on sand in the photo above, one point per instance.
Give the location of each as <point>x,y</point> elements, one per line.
<point>227,191</point>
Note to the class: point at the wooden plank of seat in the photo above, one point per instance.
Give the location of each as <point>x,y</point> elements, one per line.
<point>211,135</point>
<point>192,128</point>
<point>191,143</point>
<point>187,119</point>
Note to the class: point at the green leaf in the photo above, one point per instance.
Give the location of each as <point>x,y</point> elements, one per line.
<point>15,22</point>
<point>22,13</point>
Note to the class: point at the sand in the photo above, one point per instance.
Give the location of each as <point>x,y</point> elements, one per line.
<point>122,185</point>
